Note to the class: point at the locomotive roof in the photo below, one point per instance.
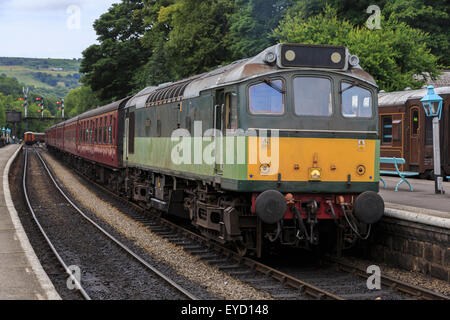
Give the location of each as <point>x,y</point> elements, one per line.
<point>389,99</point>
<point>234,73</point>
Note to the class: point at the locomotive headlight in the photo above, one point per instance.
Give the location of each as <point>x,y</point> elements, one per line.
<point>290,55</point>
<point>315,174</point>
<point>336,57</point>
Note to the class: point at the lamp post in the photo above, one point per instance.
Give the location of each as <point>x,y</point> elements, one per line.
<point>432,103</point>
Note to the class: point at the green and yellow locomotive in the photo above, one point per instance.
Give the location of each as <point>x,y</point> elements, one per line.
<point>282,147</point>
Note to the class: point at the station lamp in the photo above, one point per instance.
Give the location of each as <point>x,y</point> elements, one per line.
<point>432,104</point>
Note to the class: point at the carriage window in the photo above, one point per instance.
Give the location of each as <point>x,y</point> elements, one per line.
<point>96,131</point>
<point>397,131</point>
<point>386,129</point>
<point>312,97</point>
<point>110,130</point>
<point>415,122</point>
<point>264,99</point>
<point>105,132</point>
<point>90,131</point>
<point>356,101</point>
<point>100,140</point>
<point>114,131</point>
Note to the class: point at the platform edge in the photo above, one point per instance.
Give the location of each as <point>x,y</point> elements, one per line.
<point>38,270</point>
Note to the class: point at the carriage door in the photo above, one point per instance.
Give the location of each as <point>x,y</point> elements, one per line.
<point>415,148</point>
<point>219,132</point>
<point>129,132</point>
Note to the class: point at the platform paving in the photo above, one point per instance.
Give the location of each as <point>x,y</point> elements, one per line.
<point>422,200</point>
<point>21,275</point>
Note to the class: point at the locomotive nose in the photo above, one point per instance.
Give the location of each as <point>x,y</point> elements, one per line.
<point>270,206</point>
<point>369,207</point>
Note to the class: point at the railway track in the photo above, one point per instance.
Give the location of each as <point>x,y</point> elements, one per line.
<point>74,209</point>
<point>281,285</point>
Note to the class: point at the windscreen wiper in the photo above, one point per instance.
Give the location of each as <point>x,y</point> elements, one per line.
<point>354,84</point>
<point>274,86</point>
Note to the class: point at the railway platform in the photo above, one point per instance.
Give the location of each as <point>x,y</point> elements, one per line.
<point>422,200</point>
<point>21,274</point>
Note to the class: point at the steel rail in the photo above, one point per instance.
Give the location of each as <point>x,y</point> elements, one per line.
<point>397,285</point>
<point>302,286</point>
<point>52,247</point>
<point>172,283</point>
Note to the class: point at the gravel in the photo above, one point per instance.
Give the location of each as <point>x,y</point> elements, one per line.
<point>107,272</point>
<point>409,277</point>
<point>213,280</point>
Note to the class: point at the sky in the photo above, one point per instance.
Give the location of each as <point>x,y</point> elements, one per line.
<point>49,28</point>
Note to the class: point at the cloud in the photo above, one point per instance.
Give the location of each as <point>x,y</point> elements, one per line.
<point>39,28</point>
<point>43,5</point>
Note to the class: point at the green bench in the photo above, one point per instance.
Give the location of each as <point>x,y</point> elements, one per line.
<point>397,172</point>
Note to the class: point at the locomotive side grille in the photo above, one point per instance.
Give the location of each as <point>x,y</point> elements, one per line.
<point>168,94</point>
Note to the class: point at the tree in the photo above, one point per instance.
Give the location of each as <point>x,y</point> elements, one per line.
<point>110,67</point>
<point>430,16</point>
<point>252,25</point>
<point>80,100</point>
<point>10,86</point>
<point>196,33</point>
<point>158,68</point>
<point>393,55</point>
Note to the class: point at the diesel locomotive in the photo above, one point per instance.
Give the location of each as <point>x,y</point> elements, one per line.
<point>281,148</point>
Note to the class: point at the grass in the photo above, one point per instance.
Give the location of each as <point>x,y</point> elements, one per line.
<point>25,75</point>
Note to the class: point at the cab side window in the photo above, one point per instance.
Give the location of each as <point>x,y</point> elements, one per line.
<point>267,99</point>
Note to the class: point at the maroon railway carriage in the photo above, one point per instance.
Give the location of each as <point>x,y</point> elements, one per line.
<point>97,135</point>
<point>406,132</point>
<point>92,136</point>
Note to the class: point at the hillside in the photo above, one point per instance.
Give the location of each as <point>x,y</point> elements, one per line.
<point>46,76</point>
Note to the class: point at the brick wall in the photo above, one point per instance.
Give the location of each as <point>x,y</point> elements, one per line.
<point>412,246</point>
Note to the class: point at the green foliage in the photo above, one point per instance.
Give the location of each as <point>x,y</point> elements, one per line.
<point>393,55</point>
<point>149,42</point>
<point>195,40</point>
<point>10,86</point>
<point>158,69</point>
<point>430,16</point>
<point>11,91</point>
<point>78,101</point>
<point>43,75</point>
<point>110,67</point>
<point>252,25</point>
<point>69,81</point>
<point>67,65</point>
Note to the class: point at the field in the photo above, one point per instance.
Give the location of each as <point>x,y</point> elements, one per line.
<point>53,76</point>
